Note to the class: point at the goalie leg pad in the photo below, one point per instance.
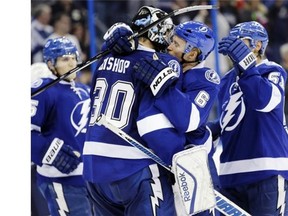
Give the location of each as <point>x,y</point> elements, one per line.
<point>193,188</point>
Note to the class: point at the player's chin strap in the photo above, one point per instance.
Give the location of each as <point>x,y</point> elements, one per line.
<point>136,34</point>
<point>183,61</point>
<point>223,204</point>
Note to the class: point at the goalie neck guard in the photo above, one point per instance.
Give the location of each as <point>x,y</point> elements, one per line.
<point>157,34</point>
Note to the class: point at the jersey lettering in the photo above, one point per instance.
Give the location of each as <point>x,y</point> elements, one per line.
<point>115,65</point>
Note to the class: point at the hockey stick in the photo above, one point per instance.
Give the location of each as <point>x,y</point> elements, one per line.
<point>136,34</point>
<point>223,204</point>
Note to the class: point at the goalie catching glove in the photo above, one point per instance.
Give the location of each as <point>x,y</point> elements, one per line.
<point>61,156</point>
<point>155,73</point>
<point>116,39</point>
<point>238,51</point>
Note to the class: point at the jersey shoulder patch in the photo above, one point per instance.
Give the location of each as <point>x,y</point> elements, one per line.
<point>174,64</point>
<point>212,76</point>
<point>36,83</point>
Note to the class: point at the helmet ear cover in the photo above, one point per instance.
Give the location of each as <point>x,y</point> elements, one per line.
<point>58,47</point>
<point>253,31</point>
<point>158,34</point>
<point>197,35</point>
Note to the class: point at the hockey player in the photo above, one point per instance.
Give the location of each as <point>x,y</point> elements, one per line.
<point>58,126</point>
<point>188,104</point>
<point>252,127</point>
<point>122,180</point>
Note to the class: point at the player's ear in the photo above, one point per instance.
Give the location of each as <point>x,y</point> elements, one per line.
<point>192,55</point>
<point>51,67</point>
<point>258,45</point>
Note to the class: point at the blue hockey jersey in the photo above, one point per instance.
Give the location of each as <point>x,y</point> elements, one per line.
<point>254,131</point>
<point>190,105</point>
<point>118,94</point>
<point>60,111</point>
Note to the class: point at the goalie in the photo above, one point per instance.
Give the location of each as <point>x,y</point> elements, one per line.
<point>165,131</point>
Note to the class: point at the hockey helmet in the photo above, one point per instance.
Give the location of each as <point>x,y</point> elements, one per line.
<point>58,47</point>
<point>157,34</point>
<point>198,35</point>
<point>253,31</point>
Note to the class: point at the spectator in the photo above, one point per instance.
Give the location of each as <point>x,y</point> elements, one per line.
<point>81,33</point>
<point>284,63</point>
<point>75,10</point>
<point>62,28</point>
<point>277,28</point>
<point>40,31</point>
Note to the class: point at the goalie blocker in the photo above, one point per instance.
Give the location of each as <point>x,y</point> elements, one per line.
<point>193,188</point>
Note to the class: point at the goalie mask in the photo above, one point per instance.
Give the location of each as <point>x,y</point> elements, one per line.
<point>253,31</point>
<point>196,35</point>
<point>158,34</point>
<point>58,47</point>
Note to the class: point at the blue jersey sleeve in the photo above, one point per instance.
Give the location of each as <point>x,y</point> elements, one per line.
<point>39,104</point>
<point>263,92</point>
<point>188,107</point>
<point>157,131</point>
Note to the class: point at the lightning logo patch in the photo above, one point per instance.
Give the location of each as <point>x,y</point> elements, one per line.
<point>234,110</point>
<point>79,116</point>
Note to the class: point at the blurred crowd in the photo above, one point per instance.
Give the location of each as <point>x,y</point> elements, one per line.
<point>54,18</point>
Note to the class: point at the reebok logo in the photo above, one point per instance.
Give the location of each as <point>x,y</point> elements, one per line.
<point>184,187</point>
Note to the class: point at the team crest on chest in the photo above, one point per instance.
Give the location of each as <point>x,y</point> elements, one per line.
<point>233,110</point>
<point>79,116</point>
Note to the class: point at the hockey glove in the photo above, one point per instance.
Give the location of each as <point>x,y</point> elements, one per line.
<point>61,156</point>
<point>117,39</point>
<point>155,73</point>
<point>238,51</point>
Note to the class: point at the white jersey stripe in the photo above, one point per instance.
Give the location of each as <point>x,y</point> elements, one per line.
<point>153,123</point>
<point>35,127</point>
<point>113,151</point>
<point>194,119</point>
<point>253,165</point>
<point>52,172</point>
<point>275,99</point>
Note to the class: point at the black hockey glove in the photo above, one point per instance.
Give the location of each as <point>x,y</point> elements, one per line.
<point>155,73</point>
<point>117,40</point>
<point>61,156</point>
<point>238,51</point>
